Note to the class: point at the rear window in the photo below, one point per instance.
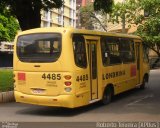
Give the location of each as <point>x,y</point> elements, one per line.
<point>44,47</point>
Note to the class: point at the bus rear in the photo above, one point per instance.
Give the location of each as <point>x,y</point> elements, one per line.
<point>42,71</point>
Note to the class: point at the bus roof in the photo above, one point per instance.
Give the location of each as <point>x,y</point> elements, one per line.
<point>76,31</point>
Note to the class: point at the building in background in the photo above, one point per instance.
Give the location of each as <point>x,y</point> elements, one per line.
<point>63,17</point>
<point>6,47</point>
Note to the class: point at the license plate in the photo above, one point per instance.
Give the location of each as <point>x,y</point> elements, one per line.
<point>38,91</point>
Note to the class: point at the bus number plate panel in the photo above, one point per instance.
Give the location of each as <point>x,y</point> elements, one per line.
<point>38,91</point>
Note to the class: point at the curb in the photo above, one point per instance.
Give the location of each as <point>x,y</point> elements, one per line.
<point>7,97</point>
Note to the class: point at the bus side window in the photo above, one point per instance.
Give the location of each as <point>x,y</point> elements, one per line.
<point>127,50</point>
<point>105,52</point>
<point>110,51</point>
<point>79,51</point>
<point>113,46</point>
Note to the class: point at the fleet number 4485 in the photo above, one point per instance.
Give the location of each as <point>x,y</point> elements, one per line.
<point>51,76</point>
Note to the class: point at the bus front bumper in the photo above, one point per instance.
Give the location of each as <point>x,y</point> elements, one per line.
<point>58,101</point>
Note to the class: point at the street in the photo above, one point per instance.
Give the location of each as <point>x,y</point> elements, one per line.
<point>133,106</point>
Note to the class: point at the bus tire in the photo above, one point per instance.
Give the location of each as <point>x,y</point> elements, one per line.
<point>143,85</point>
<point>107,96</point>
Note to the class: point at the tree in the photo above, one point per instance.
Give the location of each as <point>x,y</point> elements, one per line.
<point>8,25</point>
<point>90,18</point>
<point>95,14</point>
<point>28,11</point>
<point>127,12</point>
<point>149,30</point>
<point>143,13</point>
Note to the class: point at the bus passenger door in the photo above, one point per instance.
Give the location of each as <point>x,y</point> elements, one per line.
<point>92,57</point>
<point>137,49</point>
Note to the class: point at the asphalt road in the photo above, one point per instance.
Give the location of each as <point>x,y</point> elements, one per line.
<point>133,106</point>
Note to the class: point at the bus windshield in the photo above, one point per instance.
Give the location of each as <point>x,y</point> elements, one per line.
<point>41,47</point>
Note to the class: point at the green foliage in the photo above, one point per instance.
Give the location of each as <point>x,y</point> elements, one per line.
<point>129,10</point>
<point>6,79</point>
<point>150,32</point>
<point>8,25</point>
<point>3,30</point>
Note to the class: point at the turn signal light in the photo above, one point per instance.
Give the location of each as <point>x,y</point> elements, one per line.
<point>67,83</point>
<point>67,77</point>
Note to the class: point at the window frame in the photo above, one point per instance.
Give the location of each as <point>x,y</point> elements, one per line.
<point>114,39</point>
<point>85,54</point>
<point>118,40</point>
<point>129,41</point>
<point>50,61</point>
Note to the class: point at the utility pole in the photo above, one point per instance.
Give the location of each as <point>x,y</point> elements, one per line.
<point>123,20</point>
<point>123,24</point>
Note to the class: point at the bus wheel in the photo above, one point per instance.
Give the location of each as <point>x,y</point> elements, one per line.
<point>143,85</point>
<point>107,96</point>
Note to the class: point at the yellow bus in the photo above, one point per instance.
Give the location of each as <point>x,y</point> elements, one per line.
<point>68,67</point>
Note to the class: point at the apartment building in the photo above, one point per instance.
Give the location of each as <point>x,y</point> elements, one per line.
<point>63,17</point>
